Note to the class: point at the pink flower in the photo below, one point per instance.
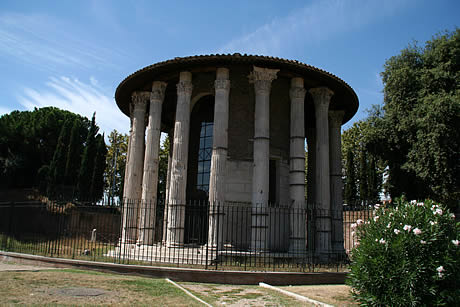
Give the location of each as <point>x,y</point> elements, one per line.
<point>438,211</point>
<point>455,242</point>
<point>422,242</point>
<point>397,231</point>
<point>389,225</point>
<point>376,206</point>
<point>353,226</point>
<point>382,241</point>
<point>417,231</point>
<point>359,222</point>
<point>376,218</point>
<point>407,227</point>
<point>420,204</point>
<point>413,202</point>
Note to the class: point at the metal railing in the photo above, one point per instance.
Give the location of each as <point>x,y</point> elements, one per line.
<point>234,236</point>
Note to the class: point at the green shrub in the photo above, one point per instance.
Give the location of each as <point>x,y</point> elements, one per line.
<point>408,255</point>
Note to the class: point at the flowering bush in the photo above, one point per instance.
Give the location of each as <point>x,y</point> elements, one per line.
<point>408,255</point>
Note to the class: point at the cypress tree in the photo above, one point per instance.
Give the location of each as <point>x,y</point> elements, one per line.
<point>97,180</point>
<point>57,165</point>
<point>350,181</point>
<point>372,180</point>
<point>73,157</point>
<point>87,163</point>
<point>363,189</point>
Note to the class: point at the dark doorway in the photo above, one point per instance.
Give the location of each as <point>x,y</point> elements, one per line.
<point>199,169</point>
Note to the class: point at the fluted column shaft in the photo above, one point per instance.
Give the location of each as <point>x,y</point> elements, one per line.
<point>335,162</point>
<point>219,158</point>
<point>297,167</point>
<point>262,79</point>
<point>311,145</point>
<point>133,179</point>
<point>178,184</point>
<point>322,97</point>
<point>151,161</point>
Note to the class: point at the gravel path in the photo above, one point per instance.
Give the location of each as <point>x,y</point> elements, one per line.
<point>14,267</point>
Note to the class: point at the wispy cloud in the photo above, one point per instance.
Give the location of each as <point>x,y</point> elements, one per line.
<point>41,42</point>
<point>4,110</point>
<point>78,97</point>
<point>318,21</point>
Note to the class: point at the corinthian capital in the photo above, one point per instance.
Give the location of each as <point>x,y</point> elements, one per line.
<point>336,117</point>
<point>321,96</point>
<point>297,93</point>
<point>158,90</point>
<point>262,78</point>
<point>222,84</point>
<point>184,88</point>
<point>139,100</point>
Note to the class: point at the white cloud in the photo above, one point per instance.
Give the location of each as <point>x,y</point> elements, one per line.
<point>5,110</point>
<point>318,21</point>
<point>78,97</point>
<point>46,43</point>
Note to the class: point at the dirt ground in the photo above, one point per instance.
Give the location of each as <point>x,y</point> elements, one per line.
<point>74,287</point>
<point>237,295</point>
<point>34,285</point>
<point>337,295</point>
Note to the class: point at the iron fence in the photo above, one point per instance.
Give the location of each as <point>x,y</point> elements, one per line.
<point>237,236</point>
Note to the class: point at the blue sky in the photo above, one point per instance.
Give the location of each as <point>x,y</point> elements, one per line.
<point>73,54</point>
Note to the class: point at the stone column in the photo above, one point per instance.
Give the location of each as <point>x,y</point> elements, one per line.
<point>133,178</point>
<point>297,167</point>
<point>219,158</point>
<point>335,162</point>
<point>311,177</point>
<point>311,168</point>
<point>262,79</point>
<point>178,183</point>
<point>150,178</point>
<point>322,97</point>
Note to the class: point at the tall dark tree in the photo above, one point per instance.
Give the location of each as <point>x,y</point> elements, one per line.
<point>73,155</point>
<point>115,165</point>
<point>163,169</point>
<point>363,169</point>
<point>363,178</point>
<point>57,165</point>
<point>97,179</point>
<point>351,190</point>
<point>87,164</point>
<point>374,181</point>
